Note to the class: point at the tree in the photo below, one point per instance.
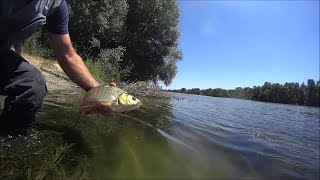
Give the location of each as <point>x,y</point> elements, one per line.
<point>96,26</point>
<point>145,31</point>
<point>289,93</point>
<point>151,40</point>
<point>194,91</point>
<point>183,90</point>
<point>312,93</point>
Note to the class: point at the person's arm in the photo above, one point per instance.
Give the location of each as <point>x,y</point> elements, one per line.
<point>71,62</point>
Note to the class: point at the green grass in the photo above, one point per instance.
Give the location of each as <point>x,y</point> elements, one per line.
<point>97,71</point>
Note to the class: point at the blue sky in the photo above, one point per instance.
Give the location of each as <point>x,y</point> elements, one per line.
<point>228,44</point>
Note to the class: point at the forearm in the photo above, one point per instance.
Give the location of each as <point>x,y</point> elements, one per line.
<point>71,62</point>
<point>77,71</point>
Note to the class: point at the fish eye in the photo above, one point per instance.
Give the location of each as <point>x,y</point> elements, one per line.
<point>133,98</point>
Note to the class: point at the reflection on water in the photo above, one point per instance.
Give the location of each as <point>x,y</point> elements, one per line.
<point>186,137</point>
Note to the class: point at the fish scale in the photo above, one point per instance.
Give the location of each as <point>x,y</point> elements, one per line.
<point>103,93</point>
<point>112,97</point>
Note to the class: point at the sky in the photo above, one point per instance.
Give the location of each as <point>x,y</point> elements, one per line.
<point>229,44</point>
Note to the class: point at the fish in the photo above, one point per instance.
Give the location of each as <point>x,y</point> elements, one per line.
<point>114,98</point>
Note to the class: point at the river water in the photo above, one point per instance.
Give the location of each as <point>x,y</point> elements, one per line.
<point>188,136</point>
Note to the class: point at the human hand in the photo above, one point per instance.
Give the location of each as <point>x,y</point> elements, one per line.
<point>113,84</point>
<point>99,108</point>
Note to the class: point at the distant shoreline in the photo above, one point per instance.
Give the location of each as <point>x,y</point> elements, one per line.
<point>288,93</point>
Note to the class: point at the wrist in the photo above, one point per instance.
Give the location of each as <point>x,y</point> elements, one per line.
<point>92,85</point>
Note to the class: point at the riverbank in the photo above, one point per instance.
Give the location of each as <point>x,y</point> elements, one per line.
<point>54,75</point>
<point>57,80</point>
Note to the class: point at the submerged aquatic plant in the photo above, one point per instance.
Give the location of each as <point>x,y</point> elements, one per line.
<point>38,155</point>
<point>51,166</point>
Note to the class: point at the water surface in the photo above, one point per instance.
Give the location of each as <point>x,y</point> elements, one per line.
<point>188,136</point>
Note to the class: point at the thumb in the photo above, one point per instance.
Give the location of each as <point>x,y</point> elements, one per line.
<point>113,84</point>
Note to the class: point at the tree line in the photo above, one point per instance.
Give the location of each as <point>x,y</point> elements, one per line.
<point>132,40</point>
<point>288,93</point>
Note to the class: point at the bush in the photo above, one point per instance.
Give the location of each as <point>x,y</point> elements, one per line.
<point>106,68</point>
<point>38,44</point>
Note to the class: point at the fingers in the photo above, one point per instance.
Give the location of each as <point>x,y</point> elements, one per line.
<point>97,108</point>
<point>113,84</point>
<point>100,108</point>
<point>103,109</point>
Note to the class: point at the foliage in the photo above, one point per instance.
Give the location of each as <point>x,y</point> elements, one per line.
<point>145,31</point>
<point>150,37</point>
<point>289,93</point>
<point>96,26</point>
<point>106,67</point>
<point>145,89</point>
<point>38,44</point>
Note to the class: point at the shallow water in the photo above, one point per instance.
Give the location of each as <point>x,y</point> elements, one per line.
<point>188,136</point>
